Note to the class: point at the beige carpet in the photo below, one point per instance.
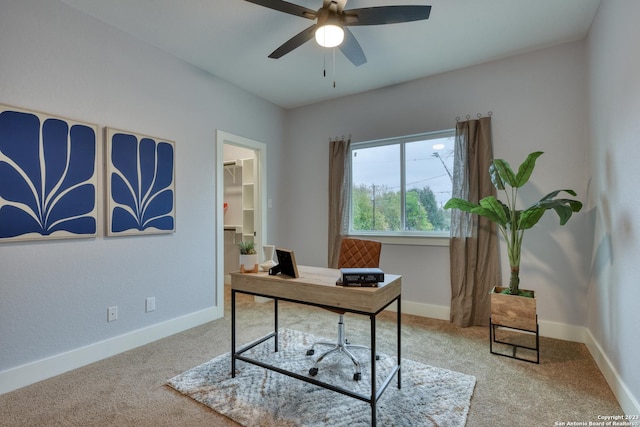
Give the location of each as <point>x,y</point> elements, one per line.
<point>130,389</point>
<point>257,397</point>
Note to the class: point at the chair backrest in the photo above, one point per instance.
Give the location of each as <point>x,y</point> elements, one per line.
<point>359,253</point>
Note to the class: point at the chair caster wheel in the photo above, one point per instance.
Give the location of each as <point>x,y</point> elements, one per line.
<point>357,376</point>
<point>310,352</point>
<point>313,372</point>
<point>377,357</point>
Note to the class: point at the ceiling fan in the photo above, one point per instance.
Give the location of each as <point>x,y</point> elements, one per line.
<point>332,22</point>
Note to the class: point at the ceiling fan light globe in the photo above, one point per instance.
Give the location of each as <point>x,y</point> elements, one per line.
<point>329,35</point>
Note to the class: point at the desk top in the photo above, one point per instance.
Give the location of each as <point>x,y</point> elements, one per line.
<point>317,285</point>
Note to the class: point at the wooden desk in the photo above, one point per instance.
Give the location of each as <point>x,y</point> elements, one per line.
<point>317,287</point>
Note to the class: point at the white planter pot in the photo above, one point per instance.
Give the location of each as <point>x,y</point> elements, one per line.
<point>249,263</point>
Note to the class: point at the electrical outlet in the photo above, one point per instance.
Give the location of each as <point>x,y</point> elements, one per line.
<point>150,304</point>
<point>112,313</point>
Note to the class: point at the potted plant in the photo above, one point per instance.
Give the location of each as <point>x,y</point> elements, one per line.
<point>513,222</point>
<point>248,257</point>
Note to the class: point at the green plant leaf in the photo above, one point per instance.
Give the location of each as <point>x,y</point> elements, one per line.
<point>561,207</point>
<point>576,205</point>
<point>505,209</point>
<point>530,217</point>
<point>497,181</point>
<point>526,169</point>
<point>555,193</point>
<point>504,171</point>
<point>493,209</point>
<point>564,212</point>
<point>461,204</point>
<point>489,210</point>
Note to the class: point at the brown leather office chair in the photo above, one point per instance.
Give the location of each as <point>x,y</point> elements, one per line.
<point>354,253</point>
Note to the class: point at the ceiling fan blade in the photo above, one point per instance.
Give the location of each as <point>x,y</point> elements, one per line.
<point>351,49</point>
<point>385,15</point>
<point>294,42</point>
<point>286,7</point>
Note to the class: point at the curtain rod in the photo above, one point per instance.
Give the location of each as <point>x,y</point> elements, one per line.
<point>477,115</point>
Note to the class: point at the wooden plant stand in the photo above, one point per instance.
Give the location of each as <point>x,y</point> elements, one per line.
<point>253,270</point>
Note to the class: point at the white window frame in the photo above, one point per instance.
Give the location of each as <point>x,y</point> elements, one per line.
<point>420,238</point>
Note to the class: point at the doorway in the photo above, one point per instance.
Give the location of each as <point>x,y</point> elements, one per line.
<point>241,164</point>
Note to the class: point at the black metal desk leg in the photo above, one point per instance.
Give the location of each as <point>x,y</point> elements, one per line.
<point>399,333</point>
<point>373,370</point>
<point>275,322</point>
<point>233,333</point>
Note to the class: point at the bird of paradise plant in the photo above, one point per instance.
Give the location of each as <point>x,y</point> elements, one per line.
<point>513,222</point>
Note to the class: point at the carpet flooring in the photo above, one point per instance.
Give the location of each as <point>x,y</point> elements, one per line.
<point>257,397</point>
<point>130,389</point>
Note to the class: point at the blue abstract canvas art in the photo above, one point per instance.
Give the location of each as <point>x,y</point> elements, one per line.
<point>141,184</point>
<point>48,177</point>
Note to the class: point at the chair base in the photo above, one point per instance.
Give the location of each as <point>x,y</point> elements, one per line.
<point>342,346</point>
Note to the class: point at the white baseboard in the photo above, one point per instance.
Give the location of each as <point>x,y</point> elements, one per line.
<point>547,329</point>
<point>561,331</point>
<point>424,310</point>
<point>627,401</point>
<point>21,376</point>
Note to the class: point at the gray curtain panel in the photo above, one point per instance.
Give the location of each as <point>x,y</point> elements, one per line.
<point>339,179</point>
<point>473,248</point>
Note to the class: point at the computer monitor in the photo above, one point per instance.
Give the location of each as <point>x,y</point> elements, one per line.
<point>286,264</point>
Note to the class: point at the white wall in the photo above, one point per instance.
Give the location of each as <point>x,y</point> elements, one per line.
<point>54,295</point>
<point>538,103</point>
<point>614,133</point>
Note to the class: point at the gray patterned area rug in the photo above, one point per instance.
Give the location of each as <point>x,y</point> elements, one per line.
<point>429,396</point>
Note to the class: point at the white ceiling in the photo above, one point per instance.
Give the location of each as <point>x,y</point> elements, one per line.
<point>232,39</point>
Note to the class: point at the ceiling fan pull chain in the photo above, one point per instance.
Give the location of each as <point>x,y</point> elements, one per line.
<point>324,65</point>
<point>334,67</point>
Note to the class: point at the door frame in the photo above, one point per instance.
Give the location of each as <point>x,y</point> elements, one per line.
<point>260,150</point>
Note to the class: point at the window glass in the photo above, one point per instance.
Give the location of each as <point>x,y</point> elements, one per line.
<point>375,201</point>
<point>400,185</point>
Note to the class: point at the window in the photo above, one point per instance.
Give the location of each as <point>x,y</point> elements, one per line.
<point>399,185</point>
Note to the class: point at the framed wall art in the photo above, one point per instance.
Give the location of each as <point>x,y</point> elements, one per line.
<point>140,176</point>
<point>48,176</point>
